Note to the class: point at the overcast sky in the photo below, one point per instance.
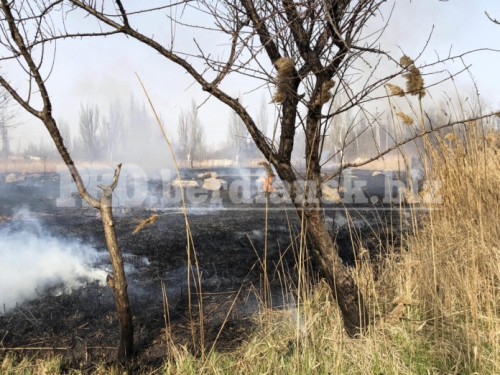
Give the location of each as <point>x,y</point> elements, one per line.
<point>103,69</point>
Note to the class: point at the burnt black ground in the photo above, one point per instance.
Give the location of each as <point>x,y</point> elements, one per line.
<point>229,245</point>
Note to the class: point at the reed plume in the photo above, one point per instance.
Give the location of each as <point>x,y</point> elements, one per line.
<point>395,90</point>
<point>284,79</point>
<point>325,95</point>
<point>414,80</point>
<point>407,120</point>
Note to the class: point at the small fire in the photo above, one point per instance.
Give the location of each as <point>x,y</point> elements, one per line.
<point>268,181</point>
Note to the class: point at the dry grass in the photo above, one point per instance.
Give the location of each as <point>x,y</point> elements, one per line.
<point>28,166</point>
<point>142,224</point>
<point>11,365</point>
<point>458,250</point>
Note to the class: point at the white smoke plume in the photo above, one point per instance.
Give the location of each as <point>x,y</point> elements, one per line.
<point>31,260</point>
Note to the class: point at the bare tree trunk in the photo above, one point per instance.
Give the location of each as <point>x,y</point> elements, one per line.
<point>117,283</point>
<point>330,266</point>
<point>324,251</point>
<point>325,255</point>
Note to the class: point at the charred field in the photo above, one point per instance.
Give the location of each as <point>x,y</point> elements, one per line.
<point>79,321</point>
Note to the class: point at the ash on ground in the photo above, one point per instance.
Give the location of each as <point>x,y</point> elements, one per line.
<point>81,323</point>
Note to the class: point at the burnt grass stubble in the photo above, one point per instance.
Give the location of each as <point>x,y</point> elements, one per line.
<point>81,324</point>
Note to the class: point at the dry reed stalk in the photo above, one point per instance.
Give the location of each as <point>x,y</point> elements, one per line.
<point>284,79</point>
<point>189,239</point>
<point>149,220</point>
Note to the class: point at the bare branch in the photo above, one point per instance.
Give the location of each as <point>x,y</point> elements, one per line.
<point>111,187</point>
<point>24,52</point>
<point>19,99</point>
<point>494,20</point>
<point>122,12</point>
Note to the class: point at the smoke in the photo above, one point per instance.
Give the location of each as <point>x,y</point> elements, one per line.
<point>32,260</point>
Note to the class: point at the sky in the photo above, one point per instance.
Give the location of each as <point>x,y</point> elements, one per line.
<point>100,70</point>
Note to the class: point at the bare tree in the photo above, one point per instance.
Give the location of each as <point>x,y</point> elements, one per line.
<point>65,132</point>
<point>22,29</point>
<point>191,133</point>
<point>8,113</point>
<point>138,134</point>
<point>263,117</point>
<point>236,135</point>
<point>114,129</point>
<point>343,130</point>
<point>315,46</point>
<point>90,130</point>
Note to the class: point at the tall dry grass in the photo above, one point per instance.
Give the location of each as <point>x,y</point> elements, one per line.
<point>456,250</point>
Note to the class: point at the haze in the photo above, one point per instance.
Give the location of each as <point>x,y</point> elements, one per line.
<point>101,70</point>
